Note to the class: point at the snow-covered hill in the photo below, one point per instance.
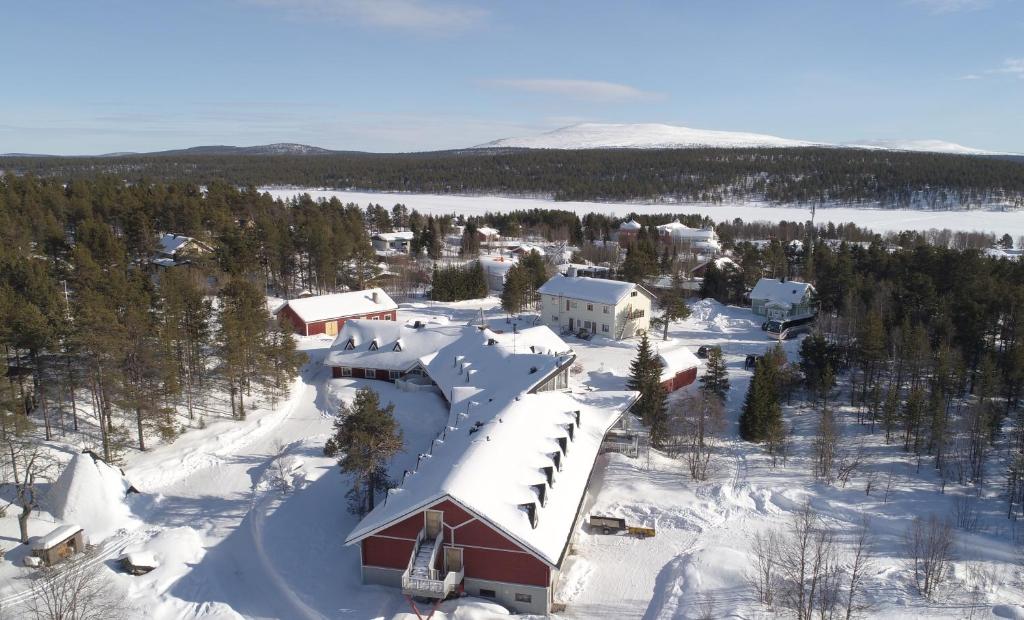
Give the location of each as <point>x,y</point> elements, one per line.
<point>660,136</point>
<point>642,136</point>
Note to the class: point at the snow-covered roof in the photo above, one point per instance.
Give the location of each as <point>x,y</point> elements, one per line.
<point>676,360</point>
<point>487,231</point>
<point>681,231</point>
<point>401,235</point>
<point>485,363</point>
<point>784,294</point>
<point>630,224</point>
<point>490,459</point>
<point>597,290</point>
<point>338,305</point>
<point>497,264</point>
<point>526,248</point>
<point>1009,254</point>
<point>413,343</point>
<point>56,536</point>
<point>141,559</point>
<point>170,243</point>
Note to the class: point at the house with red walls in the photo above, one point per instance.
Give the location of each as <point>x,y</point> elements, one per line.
<point>326,314</point>
<point>678,368</point>
<point>490,509</point>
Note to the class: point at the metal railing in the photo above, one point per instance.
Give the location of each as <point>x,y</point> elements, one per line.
<point>433,585</point>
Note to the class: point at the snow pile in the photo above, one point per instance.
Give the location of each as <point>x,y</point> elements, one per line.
<point>92,494</point>
<point>713,317</point>
<point>467,608</point>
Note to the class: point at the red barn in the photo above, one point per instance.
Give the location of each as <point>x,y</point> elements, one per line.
<point>489,510</point>
<point>325,314</point>
<point>678,368</point>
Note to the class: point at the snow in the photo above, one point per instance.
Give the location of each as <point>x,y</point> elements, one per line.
<point>92,494</point>
<point>170,243</point>
<point>674,360</point>
<point>56,536</point>
<point>641,136</point>
<point>338,305</point>
<point>415,343</point>
<point>661,136</point>
<point>490,471</point>
<point>784,294</point>
<point>141,559</point>
<point>991,218</point>
<point>597,290</point>
<point>630,224</point>
<point>402,235</point>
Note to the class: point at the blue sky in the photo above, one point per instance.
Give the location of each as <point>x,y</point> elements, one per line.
<point>395,75</point>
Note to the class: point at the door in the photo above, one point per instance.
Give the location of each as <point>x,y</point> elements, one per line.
<point>434,518</point>
<point>570,325</point>
<point>452,559</point>
<point>331,328</point>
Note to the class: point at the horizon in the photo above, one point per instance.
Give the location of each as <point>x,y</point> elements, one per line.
<point>426,75</point>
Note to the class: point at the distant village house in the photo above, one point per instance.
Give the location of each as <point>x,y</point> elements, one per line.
<point>783,299</point>
<point>605,307</point>
<point>326,314</point>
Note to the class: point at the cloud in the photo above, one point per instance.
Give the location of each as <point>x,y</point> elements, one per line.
<point>950,6</point>
<point>586,90</point>
<point>1012,66</point>
<point>415,15</point>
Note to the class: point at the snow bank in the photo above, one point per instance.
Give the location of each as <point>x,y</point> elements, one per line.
<point>467,608</point>
<point>92,494</point>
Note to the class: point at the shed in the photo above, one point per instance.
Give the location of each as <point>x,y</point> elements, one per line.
<point>678,368</point>
<point>62,542</point>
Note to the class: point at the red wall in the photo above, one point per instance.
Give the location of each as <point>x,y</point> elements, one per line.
<point>320,327</point>
<point>682,379</point>
<point>486,553</point>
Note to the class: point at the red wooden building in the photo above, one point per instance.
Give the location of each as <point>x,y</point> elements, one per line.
<point>489,510</point>
<point>678,368</point>
<point>326,314</point>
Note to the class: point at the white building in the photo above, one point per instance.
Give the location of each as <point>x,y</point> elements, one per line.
<point>387,243</point>
<point>698,238</point>
<point>605,307</point>
<point>782,299</point>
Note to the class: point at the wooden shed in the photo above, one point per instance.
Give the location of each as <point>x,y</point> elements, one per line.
<point>61,543</point>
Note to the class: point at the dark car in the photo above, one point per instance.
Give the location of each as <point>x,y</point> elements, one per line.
<point>752,360</point>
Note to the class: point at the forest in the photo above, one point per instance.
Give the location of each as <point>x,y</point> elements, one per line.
<point>798,175</point>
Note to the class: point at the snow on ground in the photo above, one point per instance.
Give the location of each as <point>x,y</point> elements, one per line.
<point>246,519</point>
<point>878,220</point>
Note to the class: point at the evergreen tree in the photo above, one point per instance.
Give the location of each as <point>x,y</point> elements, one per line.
<point>761,417</point>
<point>645,377</point>
<point>673,304</point>
<point>366,436</point>
<point>716,376</point>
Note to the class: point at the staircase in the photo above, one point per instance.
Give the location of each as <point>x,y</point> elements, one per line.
<point>420,578</point>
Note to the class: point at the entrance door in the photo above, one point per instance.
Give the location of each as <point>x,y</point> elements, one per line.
<point>452,559</point>
<point>331,328</point>
<point>570,325</point>
<point>434,518</point>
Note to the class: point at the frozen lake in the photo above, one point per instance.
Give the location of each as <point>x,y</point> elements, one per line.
<point>878,220</point>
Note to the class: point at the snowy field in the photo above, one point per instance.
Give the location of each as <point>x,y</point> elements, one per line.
<point>247,518</point>
<point>878,220</point>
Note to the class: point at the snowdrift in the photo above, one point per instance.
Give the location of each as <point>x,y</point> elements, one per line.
<point>92,494</point>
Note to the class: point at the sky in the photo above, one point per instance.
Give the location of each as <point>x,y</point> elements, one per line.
<point>411,75</point>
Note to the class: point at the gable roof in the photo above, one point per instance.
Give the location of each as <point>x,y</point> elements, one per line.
<point>490,457</point>
<point>339,305</point>
<point>400,235</point>
<point>597,290</point>
<point>414,342</point>
<point>786,293</point>
<point>171,243</point>
<point>630,224</point>
<point>676,360</point>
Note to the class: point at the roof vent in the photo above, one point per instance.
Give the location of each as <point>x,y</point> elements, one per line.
<point>569,428</point>
<point>563,444</point>
<point>417,325</point>
<point>531,513</point>
<point>577,415</point>
<point>533,369</point>
<point>556,458</point>
<point>491,342</point>
<point>542,493</point>
<point>549,475</point>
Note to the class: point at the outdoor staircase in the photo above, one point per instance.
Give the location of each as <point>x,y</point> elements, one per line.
<point>420,578</point>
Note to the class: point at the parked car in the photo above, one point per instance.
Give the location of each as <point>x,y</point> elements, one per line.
<point>584,334</point>
<point>751,361</point>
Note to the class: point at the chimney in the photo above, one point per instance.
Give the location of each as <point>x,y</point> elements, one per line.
<point>375,297</point>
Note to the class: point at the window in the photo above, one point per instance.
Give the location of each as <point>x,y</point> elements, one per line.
<point>590,307</point>
<point>604,327</point>
<point>394,374</point>
<point>633,294</point>
<point>523,598</point>
<point>397,347</point>
<point>575,305</point>
<point>488,593</point>
<point>351,344</point>
<point>346,371</point>
<point>371,373</point>
<point>554,317</point>
<point>373,345</point>
<point>375,317</point>
<point>606,310</point>
<point>387,317</point>
<point>566,304</point>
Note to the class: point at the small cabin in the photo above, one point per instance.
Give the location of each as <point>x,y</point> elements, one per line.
<point>61,543</point>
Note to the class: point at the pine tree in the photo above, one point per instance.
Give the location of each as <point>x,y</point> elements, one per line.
<point>716,375</point>
<point>514,290</point>
<point>645,377</point>
<point>761,418</point>
<point>366,436</point>
<point>673,304</point>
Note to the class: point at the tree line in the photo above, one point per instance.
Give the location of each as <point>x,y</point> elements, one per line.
<point>798,175</point>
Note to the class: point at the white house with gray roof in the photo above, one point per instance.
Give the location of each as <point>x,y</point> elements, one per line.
<point>607,308</point>
<point>783,299</point>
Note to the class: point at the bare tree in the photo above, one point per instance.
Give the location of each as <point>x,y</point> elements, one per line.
<point>35,465</point>
<point>808,566</point>
<point>76,589</point>
<point>826,443</point>
<point>763,576</point>
<point>929,545</point>
<point>860,564</point>
<point>699,422</point>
